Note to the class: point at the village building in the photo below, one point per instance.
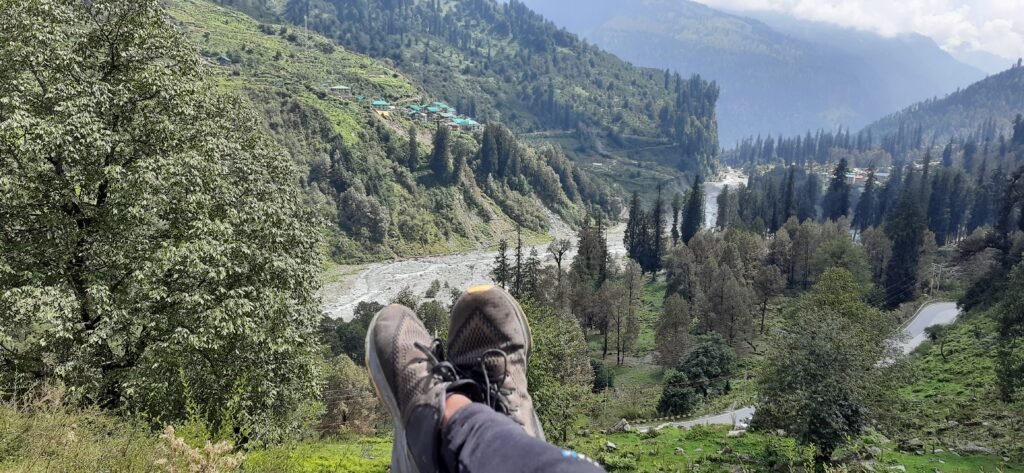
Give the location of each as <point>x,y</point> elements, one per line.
<point>381,105</point>
<point>340,90</point>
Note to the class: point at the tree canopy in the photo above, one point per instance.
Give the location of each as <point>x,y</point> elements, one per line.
<point>154,249</point>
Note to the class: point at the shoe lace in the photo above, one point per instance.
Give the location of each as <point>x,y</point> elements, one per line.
<point>494,395</point>
<point>443,370</point>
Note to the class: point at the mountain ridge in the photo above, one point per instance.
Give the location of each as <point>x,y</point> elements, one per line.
<point>985,109</point>
<point>774,80</point>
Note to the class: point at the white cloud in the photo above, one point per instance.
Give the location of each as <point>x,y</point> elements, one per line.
<point>994,26</point>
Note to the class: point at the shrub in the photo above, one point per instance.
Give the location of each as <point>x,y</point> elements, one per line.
<point>434,288</point>
<point>603,377</point>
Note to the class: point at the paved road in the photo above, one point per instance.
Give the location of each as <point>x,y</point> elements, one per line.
<point>934,313</point>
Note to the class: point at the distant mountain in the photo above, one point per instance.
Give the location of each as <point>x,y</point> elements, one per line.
<point>777,75</point>
<point>985,109</point>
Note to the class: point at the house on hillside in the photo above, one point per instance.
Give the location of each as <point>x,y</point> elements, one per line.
<point>465,124</point>
<point>381,105</point>
<point>224,61</point>
<point>340,91</point>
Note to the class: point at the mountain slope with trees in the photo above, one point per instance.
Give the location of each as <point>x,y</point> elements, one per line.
<point>503,62</point>
<point>387,184</point>
<point>985,108</point>
<point>776,76</point>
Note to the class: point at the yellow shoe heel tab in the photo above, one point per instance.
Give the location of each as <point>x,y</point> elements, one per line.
<point>480,288</point>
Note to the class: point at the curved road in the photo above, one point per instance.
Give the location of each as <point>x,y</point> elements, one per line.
<point>932,313</point>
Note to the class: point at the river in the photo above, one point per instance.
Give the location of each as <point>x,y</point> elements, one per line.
<point>380,282</point>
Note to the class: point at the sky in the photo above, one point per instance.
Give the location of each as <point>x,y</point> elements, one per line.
<point>992,26</point>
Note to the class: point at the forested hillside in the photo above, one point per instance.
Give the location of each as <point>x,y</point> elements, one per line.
<point>776,76</point>
<point>985,108</point>
<point>503,62</point>
<point>386,182</point>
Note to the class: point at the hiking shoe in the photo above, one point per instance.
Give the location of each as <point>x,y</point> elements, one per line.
<point>489,342</point>
<point>411,381</point>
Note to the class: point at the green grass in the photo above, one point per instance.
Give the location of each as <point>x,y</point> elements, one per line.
<point>361,455</point>
<point>953,400</point>
<point>710,449</point>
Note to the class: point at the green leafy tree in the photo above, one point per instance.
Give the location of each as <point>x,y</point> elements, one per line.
<point>406,297</point>
<point>351,406</point>
<point>672,337</point>
<point>768,283</point>
<point>938,334</point>
<point>560,376</point>
<point>558,249</point>
<point>625,299</point>
<point>823,375</point>
<point>1010,353</point>
<point>708,365</point>
<point>678,397</point>
<point>153,246</point>
<point>349,338</point>
<point>435,318</point>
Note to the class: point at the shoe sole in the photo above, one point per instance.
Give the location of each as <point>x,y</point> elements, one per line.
<point>524,324</point>
<point>401,459</point>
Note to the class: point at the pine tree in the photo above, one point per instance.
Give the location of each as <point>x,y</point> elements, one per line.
<point>441,158</point>
<point>517,270</point>
<point>502,272</point>
<point>864,217</point>
<point>489,152</point>
<point>906,228</point>
<point>531,274</point>
<point>693,217</point>
<point>939,207</point>
<point>889,195</point>
<point>634,237</point>
<point>722,219</point>
<point>808,208</point>
<point>947,155</point>
<point>789,197</point>
<point>677,207</point>
<point>412,159</point>
<point>981,212</point>
<point>656,247</point>
<point>837,199</point>
<point>926,184</point>
<point>590,265</point>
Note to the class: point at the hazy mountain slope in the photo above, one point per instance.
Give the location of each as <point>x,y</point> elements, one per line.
<point>986,107</point>
<point>354,161</point>
<point>785,78</point>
